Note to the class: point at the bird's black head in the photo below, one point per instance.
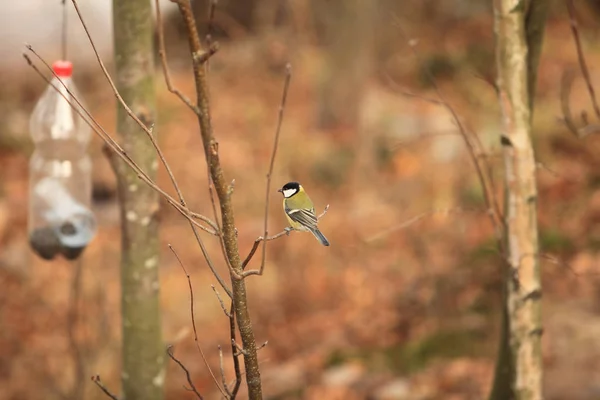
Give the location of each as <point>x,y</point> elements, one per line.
<point>290,189</point>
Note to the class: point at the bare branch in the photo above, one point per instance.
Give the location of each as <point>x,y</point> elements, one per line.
<point>98,382</point>
<point>187,373</point>
<point>227,314</point>
<point>473,144</point>
<point>211,195</point>
<point>255,247</point>
<point>324,212</point>
<point>162,53</point>
<point>236,361</point>
<point>222,369</point>
<point>208,221</point>
<point>212,7</point>
<point>565,91</point>
<point>266,342</point>
<point>415,219</point>
<point>567,83</point>
<point>555,260</point>
<point>580,55</point>
<point>240,349</point>
<point>286,86</point>
<point>194,319</point>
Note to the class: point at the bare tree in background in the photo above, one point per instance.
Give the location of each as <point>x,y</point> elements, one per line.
<point>143,350</point>
<point>519,26</point>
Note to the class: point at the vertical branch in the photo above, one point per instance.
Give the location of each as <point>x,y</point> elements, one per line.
<point>236,360</point>
<point>535,23</point>
<point>523,286</point>
<point>193,318</point>
<point>286,86</point>
<point>228,230</point>
<point>581,57</point>
<point>143,357</point>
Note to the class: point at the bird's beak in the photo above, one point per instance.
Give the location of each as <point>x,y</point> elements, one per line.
<point>280,190</point>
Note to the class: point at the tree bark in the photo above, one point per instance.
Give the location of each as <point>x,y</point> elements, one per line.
<point>142,354</point>
<point>519,30</point>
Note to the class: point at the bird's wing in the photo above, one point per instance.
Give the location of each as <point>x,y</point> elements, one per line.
<point>303,216</point>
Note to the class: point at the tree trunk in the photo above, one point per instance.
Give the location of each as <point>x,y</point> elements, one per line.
<point>519,30</point>
<point>143,353</point>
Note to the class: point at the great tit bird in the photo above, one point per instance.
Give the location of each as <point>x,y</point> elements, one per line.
<point>300,211</point>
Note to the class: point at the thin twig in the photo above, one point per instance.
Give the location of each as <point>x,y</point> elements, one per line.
<point>323,213</point>
<point>162,53</point>
<point>255,247</point>
<point>415,219</point>
<point>555,260</point>
<point>222,369</point>
<point>187,373</point>
<point>194,318</point>
<point>482,171</point>
<point>212,7</point>
<point>240,349</point>
<point>565,91</point>
<point>265,343</point>
<point>207,220</point>
<point>581,57</point>
<point>211,195</point>
<point>236,361</point>
<point>98,382</point>
<point>227,314</point>
<point>286,86</point>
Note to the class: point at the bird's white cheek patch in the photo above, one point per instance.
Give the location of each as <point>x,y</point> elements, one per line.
<point>289,192</point>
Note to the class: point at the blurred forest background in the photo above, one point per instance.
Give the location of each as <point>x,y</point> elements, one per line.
<point>405,303</point>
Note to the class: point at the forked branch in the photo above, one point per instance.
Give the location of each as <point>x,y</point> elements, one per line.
<point>186,371</point>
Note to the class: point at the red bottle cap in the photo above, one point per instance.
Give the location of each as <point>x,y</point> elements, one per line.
<point>62,68</point>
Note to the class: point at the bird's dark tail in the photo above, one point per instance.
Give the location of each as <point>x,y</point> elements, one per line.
<point>320,237</point>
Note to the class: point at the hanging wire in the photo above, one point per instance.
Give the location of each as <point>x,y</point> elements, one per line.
<point>64,29</point>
